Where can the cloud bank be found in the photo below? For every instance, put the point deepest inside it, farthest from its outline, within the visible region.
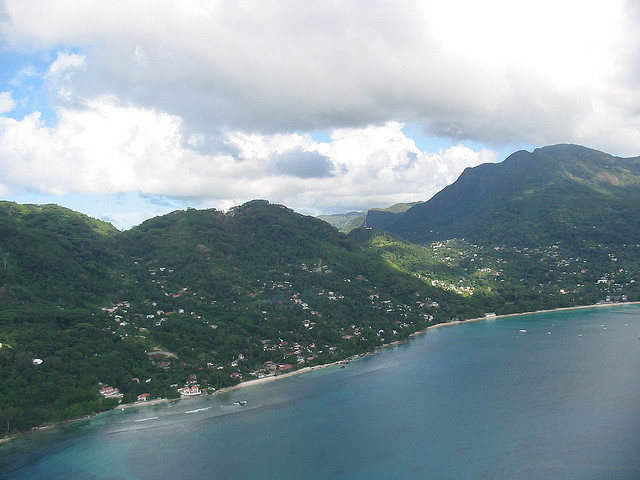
(110, 149)
(218, 101)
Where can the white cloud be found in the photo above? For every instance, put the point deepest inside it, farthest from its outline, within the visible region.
(26, 72)
(381, 165)
(7, 103)
(107, 148)
(104, 148)
(66, 62)
(493, 71)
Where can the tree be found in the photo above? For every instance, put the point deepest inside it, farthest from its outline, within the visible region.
(8, 418)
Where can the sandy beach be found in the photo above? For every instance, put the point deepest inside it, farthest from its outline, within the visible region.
(155, 401)
(270, 378)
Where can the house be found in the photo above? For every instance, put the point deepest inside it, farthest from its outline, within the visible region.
(190, 391)
(106, 391)
(110, 392)
(144, 397)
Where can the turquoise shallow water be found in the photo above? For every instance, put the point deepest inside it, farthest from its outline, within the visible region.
(475, 401)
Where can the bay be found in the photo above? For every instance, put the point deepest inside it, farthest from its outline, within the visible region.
(543, 396)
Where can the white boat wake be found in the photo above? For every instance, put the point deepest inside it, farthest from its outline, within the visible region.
(145, 419)
(198, 410)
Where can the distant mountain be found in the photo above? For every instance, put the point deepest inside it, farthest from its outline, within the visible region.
(561, 193)
(345, 222)
(381, 218)
(374, 218)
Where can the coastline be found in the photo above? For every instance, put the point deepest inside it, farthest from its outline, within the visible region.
(155, 401)
(535, 312)
(258, 381)
(270, 378)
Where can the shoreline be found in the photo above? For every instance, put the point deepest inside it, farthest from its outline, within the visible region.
(155, 401)
(270, 378)
(535, 312)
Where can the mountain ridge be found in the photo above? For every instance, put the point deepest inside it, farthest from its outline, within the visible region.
(485, 199)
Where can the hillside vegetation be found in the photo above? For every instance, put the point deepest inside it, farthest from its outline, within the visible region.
(197, 295)
(214, 298)
(553, 228)
(563, 194)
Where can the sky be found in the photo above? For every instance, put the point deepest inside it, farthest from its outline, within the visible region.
(125, 110)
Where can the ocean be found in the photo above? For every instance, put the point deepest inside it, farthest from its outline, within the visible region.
(543, 396)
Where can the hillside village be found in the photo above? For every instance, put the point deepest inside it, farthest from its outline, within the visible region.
(603, 273)
(192, 316)
(478, 270)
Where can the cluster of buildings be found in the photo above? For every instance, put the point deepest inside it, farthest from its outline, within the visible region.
(137, 321)
(111, 392)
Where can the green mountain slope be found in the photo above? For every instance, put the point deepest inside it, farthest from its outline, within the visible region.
(264, 275)
(562, 193)
(553, 228)
(217, 297)
(51, 253)
(58, 267)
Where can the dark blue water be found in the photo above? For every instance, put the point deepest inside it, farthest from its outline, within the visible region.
(474, 401)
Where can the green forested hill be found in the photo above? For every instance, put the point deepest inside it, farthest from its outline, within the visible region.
(58, 267)
(51, 253)
(220, 296)
(257, 279)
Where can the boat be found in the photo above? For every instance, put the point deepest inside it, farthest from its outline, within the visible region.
(522, 330)
(241, 402)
